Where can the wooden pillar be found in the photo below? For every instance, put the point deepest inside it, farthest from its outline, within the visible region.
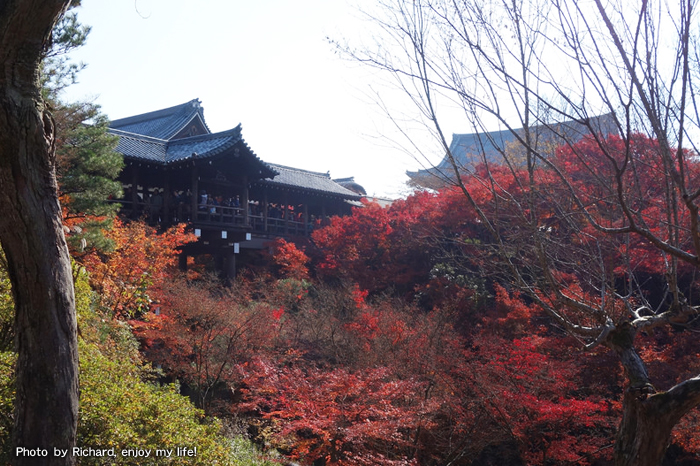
(265, 206)
(146, 213)
(230, 265)
(182, 261)
(195, 194)
(244, 201)
(220, 259)
(134, 190)
(166, 215)
(284, 212)
(305, 218)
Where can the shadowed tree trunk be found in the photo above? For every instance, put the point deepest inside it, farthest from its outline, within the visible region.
(31, 234)
(648, 417)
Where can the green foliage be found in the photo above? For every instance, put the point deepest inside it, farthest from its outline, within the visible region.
(7, 307)
(88, 165)
(290, 292)
(87, 168)
(118, 409)
(7, 403)
(246, 454)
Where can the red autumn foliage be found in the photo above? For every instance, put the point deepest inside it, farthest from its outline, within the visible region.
(416, 349)
(379, 248)
(444, 388)
(201, 331)
(343, 417)
(591, 172)
(290, 260)
(535, 393)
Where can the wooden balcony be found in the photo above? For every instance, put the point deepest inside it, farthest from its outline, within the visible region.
(222, 217)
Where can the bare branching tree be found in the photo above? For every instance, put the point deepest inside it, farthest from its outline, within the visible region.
(574, 199)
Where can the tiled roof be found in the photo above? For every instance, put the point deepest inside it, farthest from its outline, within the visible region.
(296, 178)
(203, 146)
(352, 185)
(140, 147)
(149, 136)
(162, 124)
(470, 149)
(157, 150)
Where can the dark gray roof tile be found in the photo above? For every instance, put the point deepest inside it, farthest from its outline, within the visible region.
(140, 147)
(149, 137)
(296, 178)
(162, 124)
(204, 146)
(470, 149)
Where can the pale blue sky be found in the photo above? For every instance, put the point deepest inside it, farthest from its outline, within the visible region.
(263, 63)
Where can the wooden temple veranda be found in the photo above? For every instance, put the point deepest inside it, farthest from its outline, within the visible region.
(177, 170)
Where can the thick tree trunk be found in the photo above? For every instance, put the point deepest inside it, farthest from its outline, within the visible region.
(647, 422)
(642, 438)
(648, 417)
(31, 234)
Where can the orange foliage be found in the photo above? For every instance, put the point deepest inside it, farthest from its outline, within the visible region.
(141, 260)
(291, 261)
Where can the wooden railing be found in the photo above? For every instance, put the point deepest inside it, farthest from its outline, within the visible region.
(220, 216)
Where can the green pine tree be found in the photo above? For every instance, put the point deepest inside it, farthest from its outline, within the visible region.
(87, 164)
(87, 169)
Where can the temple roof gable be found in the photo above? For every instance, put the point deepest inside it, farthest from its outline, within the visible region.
(471, 149)
(172, 136)
(169, 123)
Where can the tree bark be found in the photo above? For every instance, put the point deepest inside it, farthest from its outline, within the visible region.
(647, 422)
(648, 417)
(46, 406)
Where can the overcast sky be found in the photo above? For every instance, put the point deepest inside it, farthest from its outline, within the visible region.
(266, 64)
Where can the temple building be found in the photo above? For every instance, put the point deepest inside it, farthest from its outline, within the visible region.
(472, 149)
(177, 170)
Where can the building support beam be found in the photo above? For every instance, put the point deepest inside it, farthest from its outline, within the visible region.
(195, 194)
(265, 209)
(182, 261)
(134, 191)
(166, 214)
(285, 213)
(230, 264)
(244, 201)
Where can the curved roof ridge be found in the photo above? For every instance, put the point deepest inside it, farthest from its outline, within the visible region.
(574, 123)
(296, 178)
(121, 132)
(472, 148)
(319, 174)
(458, 135)
(194, 103)
(236, 131)
(164, 123)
